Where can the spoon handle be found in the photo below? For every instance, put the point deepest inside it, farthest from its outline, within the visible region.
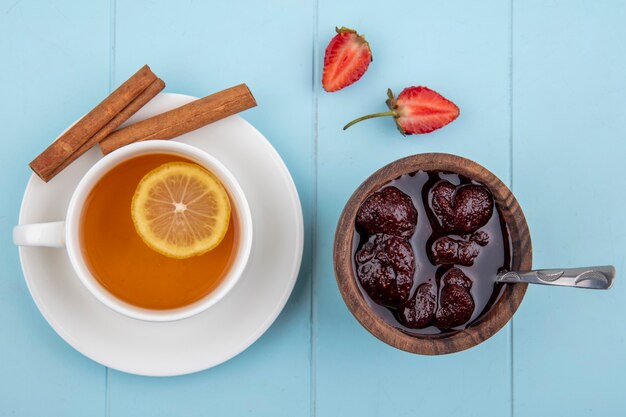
(592, 277)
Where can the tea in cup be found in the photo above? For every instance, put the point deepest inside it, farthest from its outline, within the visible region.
(145, 237)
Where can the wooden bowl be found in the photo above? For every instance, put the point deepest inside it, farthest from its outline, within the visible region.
(500, 313)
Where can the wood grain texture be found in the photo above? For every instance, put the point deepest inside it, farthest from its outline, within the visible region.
(567, 63)
(202, 47)
(53, 71)
(357, 374)
(569, 169)
(499, 314)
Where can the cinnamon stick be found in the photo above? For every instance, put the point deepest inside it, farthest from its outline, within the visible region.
(47, 163)
(183, 119)
(132, 108)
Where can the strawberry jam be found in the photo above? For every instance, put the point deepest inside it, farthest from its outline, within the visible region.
(427, 247)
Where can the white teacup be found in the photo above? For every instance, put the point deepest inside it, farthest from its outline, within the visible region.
(65, 233)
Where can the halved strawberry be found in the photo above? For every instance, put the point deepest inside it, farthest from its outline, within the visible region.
(417, 110)
(347, 57)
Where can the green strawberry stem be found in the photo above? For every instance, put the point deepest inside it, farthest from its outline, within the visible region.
(371, 116)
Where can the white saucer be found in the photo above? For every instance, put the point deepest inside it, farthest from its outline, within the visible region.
(202, 341)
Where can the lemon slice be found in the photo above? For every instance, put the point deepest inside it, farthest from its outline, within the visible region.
(181, 210)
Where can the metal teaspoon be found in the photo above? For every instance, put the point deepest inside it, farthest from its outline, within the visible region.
(591, 277)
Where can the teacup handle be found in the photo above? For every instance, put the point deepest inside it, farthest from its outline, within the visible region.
(50, 235)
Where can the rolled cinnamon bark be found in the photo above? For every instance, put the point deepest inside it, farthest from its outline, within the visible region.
(183, 119)
(105, 115)
(134, 106)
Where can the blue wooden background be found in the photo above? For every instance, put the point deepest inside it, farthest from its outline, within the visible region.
(542, 89)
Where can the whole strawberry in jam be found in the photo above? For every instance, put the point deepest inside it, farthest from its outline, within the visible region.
(385, 266)
(346, 59)
(456, 304)
(416, 110)
(419, 311)
(455, 276)
(388, 211)
(448, 251)
(462, 209)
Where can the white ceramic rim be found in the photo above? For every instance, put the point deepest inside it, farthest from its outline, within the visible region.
(103, 166)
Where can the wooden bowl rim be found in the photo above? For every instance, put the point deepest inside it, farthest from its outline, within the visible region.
(499, 314)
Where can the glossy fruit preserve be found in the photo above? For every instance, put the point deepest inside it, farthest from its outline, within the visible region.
(427, 247)
(121, 261)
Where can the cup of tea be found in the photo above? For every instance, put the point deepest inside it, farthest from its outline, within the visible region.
(116, 263)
